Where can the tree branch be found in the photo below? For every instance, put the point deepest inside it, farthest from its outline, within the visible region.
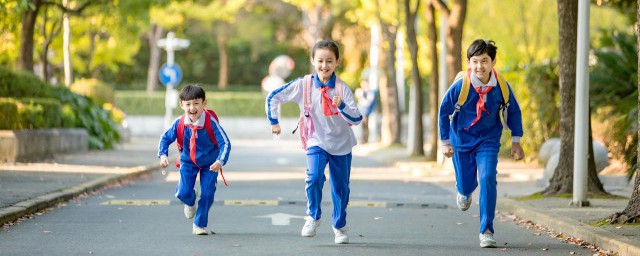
(73, 11)
(441, 6)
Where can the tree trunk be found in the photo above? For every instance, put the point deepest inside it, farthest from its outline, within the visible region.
(433, 93)
(223, 72)
(595, 187)
(155, 53)
(416, 146)
(455, 23)
(631, 213)
(55, 30)
(25, 60)
(562, 180)
(389, 92)
(66, 46)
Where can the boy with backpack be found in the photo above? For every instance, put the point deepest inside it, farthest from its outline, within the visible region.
(327, 111)
(470, 130)
(204, 148)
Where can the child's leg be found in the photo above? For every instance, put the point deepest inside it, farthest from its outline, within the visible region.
(487, 159)
(339, 173)
(317, 160)
(208, 181)
(465, 167)
(184, 189)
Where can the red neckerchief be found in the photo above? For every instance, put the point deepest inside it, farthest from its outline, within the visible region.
(326, 102)
(480, 104)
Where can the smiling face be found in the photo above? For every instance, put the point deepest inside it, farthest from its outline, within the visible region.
(324, 62)
(481, 65)
(193, 108)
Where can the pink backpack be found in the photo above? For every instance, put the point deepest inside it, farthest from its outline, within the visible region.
(305, 123)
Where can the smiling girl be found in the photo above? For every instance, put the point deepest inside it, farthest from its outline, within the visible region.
(332, 110)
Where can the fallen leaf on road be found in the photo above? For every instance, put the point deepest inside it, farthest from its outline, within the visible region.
(459, 223)
(545, 249)
(536, 234)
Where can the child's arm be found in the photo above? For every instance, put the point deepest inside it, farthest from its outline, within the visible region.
(514, 122)
(291, 91)
(223, 143)
(166, 139)
(447, 108)
(347, 106)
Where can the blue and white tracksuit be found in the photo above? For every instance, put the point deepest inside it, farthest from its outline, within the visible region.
(476, 148)
(206, 154)
(330, 143)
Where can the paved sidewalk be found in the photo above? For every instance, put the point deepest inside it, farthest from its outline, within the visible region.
(28, 188)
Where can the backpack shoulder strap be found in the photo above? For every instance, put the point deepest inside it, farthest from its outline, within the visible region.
(180, 133)
(306, 91)
(504, 88)
(338, 87)
(464, 91)
(207, 125)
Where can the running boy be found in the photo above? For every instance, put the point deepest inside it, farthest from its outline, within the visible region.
(472, 134)
(331, 110)
(200, 154)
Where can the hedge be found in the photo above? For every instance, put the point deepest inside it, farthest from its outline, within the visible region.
(224, 103)
(30, 113)
(22, 85)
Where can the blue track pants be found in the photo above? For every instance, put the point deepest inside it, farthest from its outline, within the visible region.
(186, 193)
(339, 172)
(481, 161)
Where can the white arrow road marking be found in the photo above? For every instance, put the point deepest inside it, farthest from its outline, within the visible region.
(281, 219)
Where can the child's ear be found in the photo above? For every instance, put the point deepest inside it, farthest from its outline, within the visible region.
(204, 103)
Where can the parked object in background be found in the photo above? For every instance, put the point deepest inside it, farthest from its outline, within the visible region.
(549, 157)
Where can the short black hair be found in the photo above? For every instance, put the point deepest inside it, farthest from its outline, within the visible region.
(328, 44)
(192, 92)
(480, 46)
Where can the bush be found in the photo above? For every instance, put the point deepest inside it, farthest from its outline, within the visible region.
(21, 85)
(95, 89)
(30, 113)
(39, 113)
(9, 114)
(224, 103)
(87, 114)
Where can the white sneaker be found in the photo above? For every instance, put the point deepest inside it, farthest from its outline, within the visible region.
(309, 228)
(190, 211)
(487, 240)
(341, 235)
(198, 230)
(463, 202)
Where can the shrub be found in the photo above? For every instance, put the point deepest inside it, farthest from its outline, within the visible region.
(30, 113)
(9, 114)
(36, 113)
(95, 89)
(21, 84)
(97, 122)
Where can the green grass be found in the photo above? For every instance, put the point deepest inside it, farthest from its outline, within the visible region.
(238, 103)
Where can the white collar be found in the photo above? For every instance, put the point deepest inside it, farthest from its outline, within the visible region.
(475, 81)
(199, 122)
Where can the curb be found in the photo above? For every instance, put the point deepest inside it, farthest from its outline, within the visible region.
(600, 237)
(39, 203)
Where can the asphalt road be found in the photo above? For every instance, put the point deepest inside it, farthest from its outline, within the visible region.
(261, 216)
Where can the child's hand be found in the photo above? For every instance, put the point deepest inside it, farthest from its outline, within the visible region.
(215, 167)
(164, 161)
(447, 150)
(337, 101)
(516, 151)
(275, 129)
